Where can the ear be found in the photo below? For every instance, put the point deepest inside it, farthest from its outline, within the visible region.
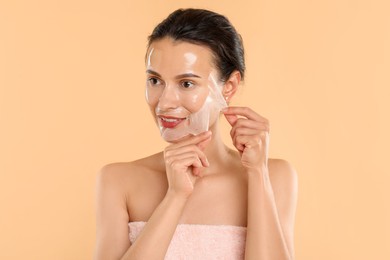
(231, 85)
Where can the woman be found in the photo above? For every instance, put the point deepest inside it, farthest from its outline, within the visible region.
(198, 199)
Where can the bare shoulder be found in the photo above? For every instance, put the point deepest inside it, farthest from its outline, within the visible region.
(115, 185)
(127, 174)
(284, 182)
(282, 174)
(116, 174)
(138, 185)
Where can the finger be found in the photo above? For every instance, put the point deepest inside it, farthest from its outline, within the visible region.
(243, 111)
(202, 145)
(192, 140)
(239, 146)
(243, 141)
(196, 171)
(243, 122)
(232, 119)
(183, 149)
(170, 155)
(196, 154)
(239, 130)
(236, 131)
(186, 162)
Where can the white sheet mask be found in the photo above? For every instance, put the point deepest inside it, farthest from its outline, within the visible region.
(182, 110)
(196, 122)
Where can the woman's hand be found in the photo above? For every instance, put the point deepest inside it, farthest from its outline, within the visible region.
(183, 161)
(250, 135)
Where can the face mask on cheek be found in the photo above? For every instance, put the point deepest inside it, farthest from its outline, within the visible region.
(197, 122)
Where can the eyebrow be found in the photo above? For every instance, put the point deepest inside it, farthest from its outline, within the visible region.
(185, 75)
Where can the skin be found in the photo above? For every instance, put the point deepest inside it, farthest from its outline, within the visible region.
(198, 179)
(180, 96)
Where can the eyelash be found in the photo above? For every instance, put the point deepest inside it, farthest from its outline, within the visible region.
(187, 81)
(151, 79)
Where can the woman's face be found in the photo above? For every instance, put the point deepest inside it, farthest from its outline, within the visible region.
(178, 81)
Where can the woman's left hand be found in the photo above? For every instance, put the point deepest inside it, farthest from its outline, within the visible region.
(250, 135)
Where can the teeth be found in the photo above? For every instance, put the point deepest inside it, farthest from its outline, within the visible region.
(170, 119)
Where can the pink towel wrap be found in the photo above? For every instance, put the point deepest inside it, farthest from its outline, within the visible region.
(195, 241)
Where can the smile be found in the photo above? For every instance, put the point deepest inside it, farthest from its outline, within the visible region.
(170, 122)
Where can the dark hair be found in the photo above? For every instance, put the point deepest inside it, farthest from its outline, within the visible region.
(204, 27)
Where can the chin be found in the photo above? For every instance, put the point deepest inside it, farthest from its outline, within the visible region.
(174, 141)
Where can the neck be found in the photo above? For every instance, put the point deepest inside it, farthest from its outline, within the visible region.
(217, 153)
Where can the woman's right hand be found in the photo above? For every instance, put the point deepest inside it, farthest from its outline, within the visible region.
(183, 161)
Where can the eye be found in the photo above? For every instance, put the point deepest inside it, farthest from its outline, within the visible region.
(154, 81)
(187, 84)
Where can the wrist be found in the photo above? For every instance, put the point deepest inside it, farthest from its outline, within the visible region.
(176, 196)
(261, 170)
(259, 176)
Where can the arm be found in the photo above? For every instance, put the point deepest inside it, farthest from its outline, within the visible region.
(155, 237)
(183, 161)
(112, 237)
(271, 211)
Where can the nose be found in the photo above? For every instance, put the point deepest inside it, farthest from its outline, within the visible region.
(169, 98)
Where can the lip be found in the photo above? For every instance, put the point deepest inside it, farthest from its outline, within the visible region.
(170, 121)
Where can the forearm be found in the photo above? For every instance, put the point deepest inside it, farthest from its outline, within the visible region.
(265, 239)
(154, 239)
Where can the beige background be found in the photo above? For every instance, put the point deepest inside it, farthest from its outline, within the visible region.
(72, 100)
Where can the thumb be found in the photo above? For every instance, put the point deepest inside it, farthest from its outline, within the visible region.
(204, 143)
(232, 119)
